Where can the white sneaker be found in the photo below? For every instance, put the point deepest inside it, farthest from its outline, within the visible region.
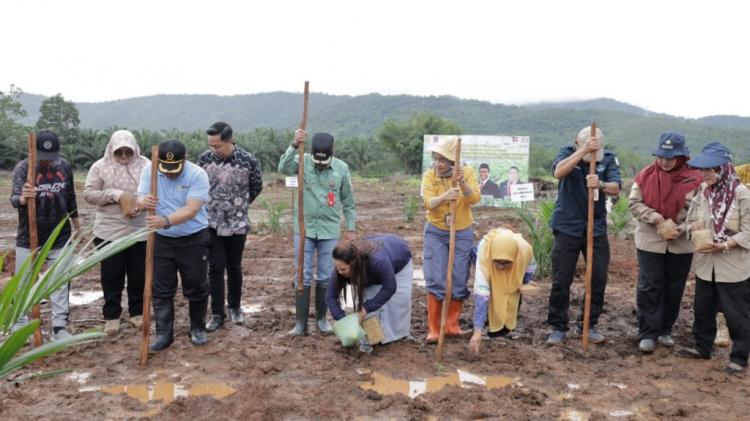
(137, 321)
(61, 334)
(722, 339)
(111, 327)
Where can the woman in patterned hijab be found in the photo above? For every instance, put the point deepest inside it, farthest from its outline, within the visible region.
(111, 185)
(722, 271)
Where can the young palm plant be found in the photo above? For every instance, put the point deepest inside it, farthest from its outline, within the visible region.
(20, 294)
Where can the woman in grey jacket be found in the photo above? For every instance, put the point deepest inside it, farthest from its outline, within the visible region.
(659, 200)
(111, 185)
(721, 212)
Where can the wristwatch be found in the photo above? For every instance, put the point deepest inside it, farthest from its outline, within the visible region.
(601, 185)
(169, 224)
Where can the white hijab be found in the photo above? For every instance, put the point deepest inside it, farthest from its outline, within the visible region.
(116, 175)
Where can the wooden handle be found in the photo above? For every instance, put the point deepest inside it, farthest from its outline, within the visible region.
(589, 249)
(301, 195)
(451, 257)
(147, 287)
(33, 238)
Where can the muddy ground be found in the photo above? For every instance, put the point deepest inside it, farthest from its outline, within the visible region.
(255, 371)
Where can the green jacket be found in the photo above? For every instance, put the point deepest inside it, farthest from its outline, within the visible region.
(322, 221)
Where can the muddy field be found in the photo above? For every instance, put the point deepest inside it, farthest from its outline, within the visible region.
(255, 371)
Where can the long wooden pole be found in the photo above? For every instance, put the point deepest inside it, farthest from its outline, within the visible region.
(146, 327)
(589, 249)
(33, 239)
(451, 256)
(301, 195)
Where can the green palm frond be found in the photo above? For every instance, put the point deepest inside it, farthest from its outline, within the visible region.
(19, 295)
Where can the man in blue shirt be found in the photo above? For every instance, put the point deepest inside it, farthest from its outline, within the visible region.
(568, 224)
(182, 240)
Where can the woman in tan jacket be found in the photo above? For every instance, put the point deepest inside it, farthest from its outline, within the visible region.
(659, 200)
(720, 215)
(111, 185)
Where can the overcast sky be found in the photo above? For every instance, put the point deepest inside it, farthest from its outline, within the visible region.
(678, 57)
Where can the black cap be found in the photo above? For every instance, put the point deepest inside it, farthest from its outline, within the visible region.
(221, 128)
(322, 149)
(171, 156)
(47, 146)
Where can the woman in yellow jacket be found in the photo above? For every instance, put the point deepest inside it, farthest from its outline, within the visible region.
(438, 192)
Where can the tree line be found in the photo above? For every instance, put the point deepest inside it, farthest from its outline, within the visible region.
(395, 146)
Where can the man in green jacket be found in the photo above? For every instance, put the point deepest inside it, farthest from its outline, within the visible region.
(328, 192)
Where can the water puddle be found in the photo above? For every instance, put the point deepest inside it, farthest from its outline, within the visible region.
(79, 298)
(251, 308)
(167, 392)
(385, 385)
(80, 377)
(418, 277)
(573, 415)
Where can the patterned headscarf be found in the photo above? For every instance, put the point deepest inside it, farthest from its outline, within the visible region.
(721, 200)
(116, 175)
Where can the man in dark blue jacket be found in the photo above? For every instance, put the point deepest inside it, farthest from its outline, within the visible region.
(569, 221)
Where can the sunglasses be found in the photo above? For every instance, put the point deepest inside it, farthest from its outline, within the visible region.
(124, 152)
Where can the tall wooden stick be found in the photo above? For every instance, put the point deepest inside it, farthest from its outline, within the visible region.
(301, 195)
(451, 255)
(589, 249)
(33, 239)
(146, 327)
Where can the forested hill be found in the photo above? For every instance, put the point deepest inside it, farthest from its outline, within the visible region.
(549, 124)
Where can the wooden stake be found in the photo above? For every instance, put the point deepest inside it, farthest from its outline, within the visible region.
(451, 255)
(589, 250)
(33, 239)
(301, 195)
(146, 327)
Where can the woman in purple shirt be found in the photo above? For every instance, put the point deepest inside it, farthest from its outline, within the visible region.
(379, 271)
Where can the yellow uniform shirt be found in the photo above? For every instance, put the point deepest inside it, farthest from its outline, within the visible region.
(433, 186)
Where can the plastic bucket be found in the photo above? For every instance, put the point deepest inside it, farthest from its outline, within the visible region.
(348, 330)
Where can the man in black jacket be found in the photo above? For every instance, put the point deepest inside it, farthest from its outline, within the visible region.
(55, 197)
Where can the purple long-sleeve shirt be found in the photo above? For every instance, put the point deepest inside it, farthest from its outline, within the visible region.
(391, 255)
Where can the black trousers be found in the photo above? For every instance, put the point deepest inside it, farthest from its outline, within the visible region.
(130, 262)
(565, 252)
(225, 254)
(188, 256)
(661, 282)
(734, 299)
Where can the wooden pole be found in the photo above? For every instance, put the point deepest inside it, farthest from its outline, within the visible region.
(301, 195)
(146, 327)
(33, 239)
(451, 255)
(589, 249)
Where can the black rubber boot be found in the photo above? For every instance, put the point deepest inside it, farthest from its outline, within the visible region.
(197, 311)
(321, 309)
(302, 307)
(164, 318)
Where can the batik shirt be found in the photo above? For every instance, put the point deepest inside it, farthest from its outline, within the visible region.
(235, 182)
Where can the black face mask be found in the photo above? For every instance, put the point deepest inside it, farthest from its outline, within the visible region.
(322, 150)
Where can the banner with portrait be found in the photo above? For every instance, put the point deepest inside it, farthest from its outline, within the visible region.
(500, 162)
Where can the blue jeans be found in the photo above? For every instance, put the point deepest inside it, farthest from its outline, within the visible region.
(325, 259)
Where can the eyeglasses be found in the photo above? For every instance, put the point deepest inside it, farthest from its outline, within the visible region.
(124, 152)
